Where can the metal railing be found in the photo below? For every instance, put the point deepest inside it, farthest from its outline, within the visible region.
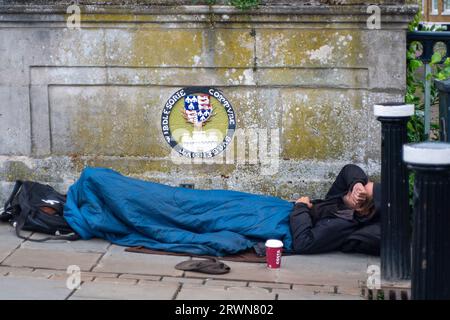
(428, 40)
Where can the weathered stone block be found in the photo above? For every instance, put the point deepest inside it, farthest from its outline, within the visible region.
(387, 63)
(313, 77)
(75, 47)
(127, 123)
(231, 48)
(323, 125)
(15, 122)
(309, 48)
(154, 47)
(311, 72)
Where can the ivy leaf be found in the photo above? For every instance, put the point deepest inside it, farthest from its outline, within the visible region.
(410, 126)
(446, 71)
(415, 64)
(436, 58)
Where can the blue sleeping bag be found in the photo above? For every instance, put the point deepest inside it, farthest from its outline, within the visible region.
(130, 212)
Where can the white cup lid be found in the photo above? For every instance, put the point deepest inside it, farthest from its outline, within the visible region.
(427, 153)
(393, 110)
(272, 243)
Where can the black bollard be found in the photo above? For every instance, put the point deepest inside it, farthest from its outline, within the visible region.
(431, 232)
(395, 212)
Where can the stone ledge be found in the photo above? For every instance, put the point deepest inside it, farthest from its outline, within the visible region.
(204, 13)
(205, 2)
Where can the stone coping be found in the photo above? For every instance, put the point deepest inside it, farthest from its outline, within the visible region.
(427, 153)
(208, 2)
(393, 110)
(353, 10)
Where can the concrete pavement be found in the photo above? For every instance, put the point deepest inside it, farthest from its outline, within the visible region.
(30, 270)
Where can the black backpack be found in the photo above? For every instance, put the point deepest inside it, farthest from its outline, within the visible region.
(37, 207)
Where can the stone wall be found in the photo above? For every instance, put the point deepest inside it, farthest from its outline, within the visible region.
(93, 96)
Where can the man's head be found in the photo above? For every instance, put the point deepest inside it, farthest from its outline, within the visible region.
(360, 198)
(366, 208)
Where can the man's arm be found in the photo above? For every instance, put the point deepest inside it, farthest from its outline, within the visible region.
(327, 235)
(349, 176)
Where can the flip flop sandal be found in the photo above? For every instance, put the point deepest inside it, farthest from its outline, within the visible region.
(204, 266)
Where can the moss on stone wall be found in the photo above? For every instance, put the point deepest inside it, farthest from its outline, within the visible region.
(308, 74)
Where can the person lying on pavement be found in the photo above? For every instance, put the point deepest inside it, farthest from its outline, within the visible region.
(347, 219)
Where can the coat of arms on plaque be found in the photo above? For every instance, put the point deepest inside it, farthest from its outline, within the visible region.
(198, 122)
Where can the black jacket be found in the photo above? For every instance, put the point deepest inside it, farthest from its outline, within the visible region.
(330, 225)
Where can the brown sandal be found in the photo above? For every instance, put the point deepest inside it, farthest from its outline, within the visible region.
(212, 266)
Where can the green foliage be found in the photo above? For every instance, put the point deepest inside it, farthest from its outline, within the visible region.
(245, 4)
(415, 87)
(414, 24)
(240, 4)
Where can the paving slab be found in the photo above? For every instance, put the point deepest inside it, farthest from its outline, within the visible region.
(8, 240)
(195, 292)
(109, 272)
(93, 245)
(8, 234)
(308, 294)
(115, 280)
(316, 288)
(6, 270)
(182, 280)
(28, 272)
(51, 259)
(85, 276)
(13, 288)
(324, 269)
(226, 283)
(140, 277)
(5, 251)
(100, 274)
(65, 276)
(270, 285)
(118, 260)
(115, 291)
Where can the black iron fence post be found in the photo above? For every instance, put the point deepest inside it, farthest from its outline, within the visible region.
(431, 232)
(395, 212)
(428, 39)
(444, 109)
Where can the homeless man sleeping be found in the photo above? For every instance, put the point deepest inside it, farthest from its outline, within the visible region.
(131, 212)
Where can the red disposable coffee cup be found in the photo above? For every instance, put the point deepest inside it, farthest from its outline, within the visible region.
(274, 249)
